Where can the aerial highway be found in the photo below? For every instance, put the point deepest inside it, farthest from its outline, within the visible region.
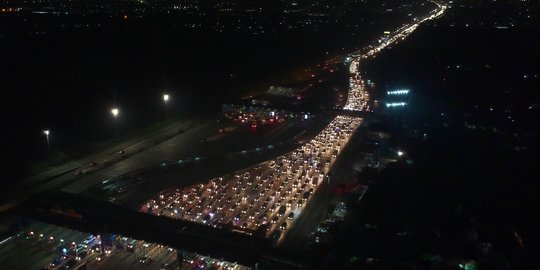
(272, 195)
(274, 183)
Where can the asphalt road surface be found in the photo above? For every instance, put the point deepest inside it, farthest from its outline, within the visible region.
(191, 161)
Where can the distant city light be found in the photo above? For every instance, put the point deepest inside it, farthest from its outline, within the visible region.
(395, 104)
(398, 92)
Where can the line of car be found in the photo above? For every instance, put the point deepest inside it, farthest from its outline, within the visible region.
(358, 98)
(273, 194)
(265, 198)
(73, 250)
(269, 197)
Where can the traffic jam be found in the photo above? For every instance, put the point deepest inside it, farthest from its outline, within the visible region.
(261, 116)
(401, 33)
(268, 197)
(358, 97)
(272, 194)
(52, 247)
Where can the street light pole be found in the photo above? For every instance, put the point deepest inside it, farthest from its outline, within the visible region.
(166, 100)
(115, 113)
(47, 132)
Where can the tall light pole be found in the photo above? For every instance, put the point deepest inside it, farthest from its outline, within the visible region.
(165, 101)
(47, 132)
(115, 113)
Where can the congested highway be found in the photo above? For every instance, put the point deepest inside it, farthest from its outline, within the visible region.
(269, 197)
(358, 99)
(272, 194)
(400, 34)
(51, 247)
(266, 199)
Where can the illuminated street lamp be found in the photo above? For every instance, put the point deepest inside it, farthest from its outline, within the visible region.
(47, 132)
(115, 112)
(400, 153)
(166, 98)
